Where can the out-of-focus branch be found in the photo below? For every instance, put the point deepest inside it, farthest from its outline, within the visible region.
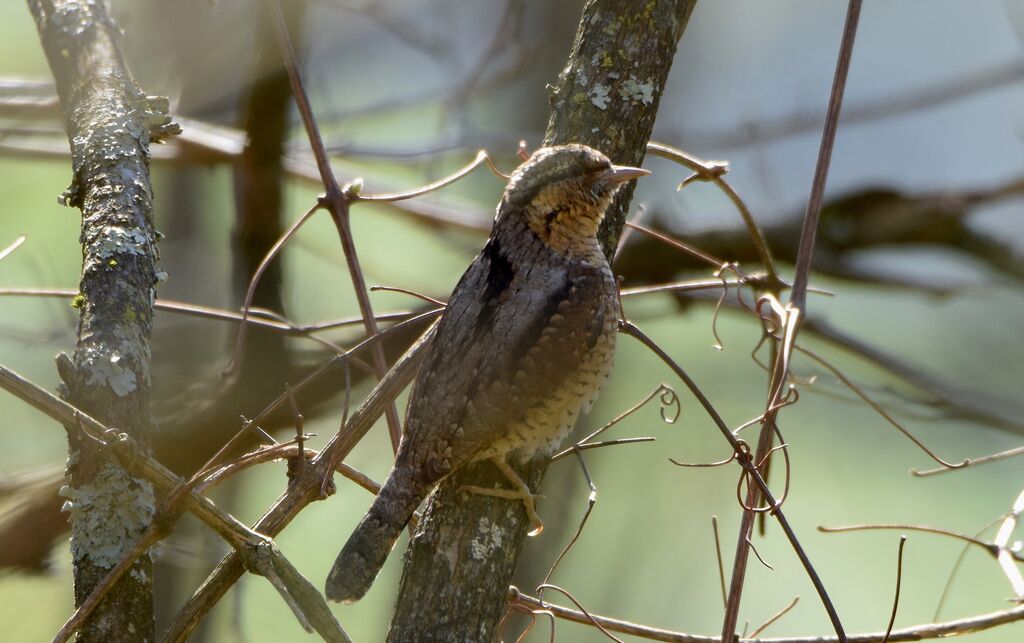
(915, 99)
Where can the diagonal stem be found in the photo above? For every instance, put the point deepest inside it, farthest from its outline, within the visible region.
(337, 202)
(793, 315)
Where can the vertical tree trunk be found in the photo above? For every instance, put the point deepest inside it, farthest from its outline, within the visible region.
(109, 123)
(460, 563)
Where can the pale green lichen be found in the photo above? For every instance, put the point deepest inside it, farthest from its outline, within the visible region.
(108, 515)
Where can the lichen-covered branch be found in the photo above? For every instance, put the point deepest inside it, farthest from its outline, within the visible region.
(110, 124)
(461, 561)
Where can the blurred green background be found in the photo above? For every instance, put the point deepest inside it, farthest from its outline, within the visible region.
(389, 81)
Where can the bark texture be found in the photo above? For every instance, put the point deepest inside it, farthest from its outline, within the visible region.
(460, 563)
(110, 124)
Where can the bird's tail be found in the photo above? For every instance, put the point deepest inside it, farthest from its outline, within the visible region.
(361, 558)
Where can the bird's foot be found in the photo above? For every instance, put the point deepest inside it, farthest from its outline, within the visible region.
(521, 492)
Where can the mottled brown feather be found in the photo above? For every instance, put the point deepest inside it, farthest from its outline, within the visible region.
(526, 341)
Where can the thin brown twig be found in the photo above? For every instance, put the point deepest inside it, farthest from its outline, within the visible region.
(798, 295)
(881, 411)
(970, 462)
(713, 171)
(582, 609)
(956, 568)
(790, 317)
(668, 399)
(896, 598)
(411, 293)
(259, 318)
(336, 201)
(482, 158)
(591, 503)
(745, 462)
(236, 359)
(718, 557)
(774, 617)
(916, 633)
(677, 244)
(992, 548)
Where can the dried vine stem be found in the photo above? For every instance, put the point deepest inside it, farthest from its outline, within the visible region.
(744, 459)
(790, 319)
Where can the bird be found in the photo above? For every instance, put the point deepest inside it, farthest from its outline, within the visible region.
(525, 343)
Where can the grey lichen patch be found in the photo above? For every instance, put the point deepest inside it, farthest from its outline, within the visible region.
(108, 368)
(487, 540)
(108, 515)
(599, 96)
(634, 91)
(115, 241)
(156, 113)
(139, 575)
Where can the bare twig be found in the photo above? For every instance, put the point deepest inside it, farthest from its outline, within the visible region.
(835, 102)
(310, 609)
(915, 633)
(896, 598)
(302, 490)
(789, 320)
(336, 201)
(970, 462)
(775, 617)
(992, 548)
(11, 248)
(718, 557)
(744, 460)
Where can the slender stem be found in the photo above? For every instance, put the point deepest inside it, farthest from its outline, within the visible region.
(828, 136)
(745, 461)
(337, 202)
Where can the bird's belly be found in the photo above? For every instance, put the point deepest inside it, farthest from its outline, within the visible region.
(549, 420)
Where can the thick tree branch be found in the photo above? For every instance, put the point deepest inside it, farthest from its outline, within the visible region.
(110, 124)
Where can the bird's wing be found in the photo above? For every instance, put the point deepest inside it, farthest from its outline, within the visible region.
(516, 327)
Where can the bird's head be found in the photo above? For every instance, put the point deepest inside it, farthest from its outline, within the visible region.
(563, 192)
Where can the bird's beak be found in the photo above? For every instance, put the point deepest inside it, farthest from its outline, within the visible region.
(623, 173)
